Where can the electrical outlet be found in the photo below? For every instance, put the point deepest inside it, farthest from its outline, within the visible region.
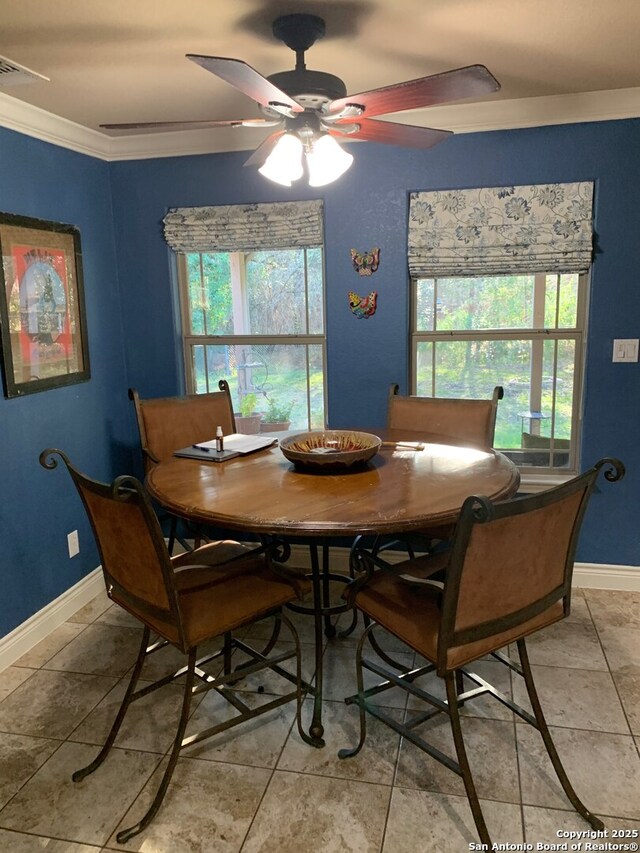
(73, 543)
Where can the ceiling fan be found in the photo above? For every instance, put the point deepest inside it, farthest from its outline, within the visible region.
(311, 109)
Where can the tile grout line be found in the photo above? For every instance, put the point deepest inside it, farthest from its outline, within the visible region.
(611, 674)
(287, 739)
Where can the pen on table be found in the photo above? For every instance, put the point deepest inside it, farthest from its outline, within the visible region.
(416, 445)
(204, 449)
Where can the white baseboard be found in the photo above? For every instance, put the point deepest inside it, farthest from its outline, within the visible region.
(41, 624)
(602, 576)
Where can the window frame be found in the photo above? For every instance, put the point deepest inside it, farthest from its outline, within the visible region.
(533, 475)
(189, 340)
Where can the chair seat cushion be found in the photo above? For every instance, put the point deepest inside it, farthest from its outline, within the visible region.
(215, 596)
(413, 615)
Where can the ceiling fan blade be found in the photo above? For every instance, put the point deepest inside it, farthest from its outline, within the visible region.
(191, 125)
(472, 81)
(393, 133)
(247, 80)
(262, 151)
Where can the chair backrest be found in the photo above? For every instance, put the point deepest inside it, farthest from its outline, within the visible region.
(167, 424)
(135, 561)
(512, 561)
(460, 420)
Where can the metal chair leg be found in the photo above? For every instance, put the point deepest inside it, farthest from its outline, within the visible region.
(349, 753)
(226, 652)
(273, 639)
(173, 536)
(459, 686)
(465, 770)
(299, 694)
(124, 707)
(576, 802)
(329, 627)
(352, 574)
(357, 543)
(125, 834)
(375, 645)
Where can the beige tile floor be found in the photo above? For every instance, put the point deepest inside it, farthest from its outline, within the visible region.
(259, 788)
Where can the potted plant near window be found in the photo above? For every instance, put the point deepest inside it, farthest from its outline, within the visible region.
(277, 417)
(248, 421)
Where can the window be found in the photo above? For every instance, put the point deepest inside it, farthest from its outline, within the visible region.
(252, 296)
(499, 298)
(525, 332)
(257, 320)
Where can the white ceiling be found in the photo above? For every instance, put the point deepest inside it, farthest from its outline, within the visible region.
(124, 61)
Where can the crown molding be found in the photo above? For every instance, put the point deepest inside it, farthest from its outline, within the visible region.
(33, 121)
(609, 105)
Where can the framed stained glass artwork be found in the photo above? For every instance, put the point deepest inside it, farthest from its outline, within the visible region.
(42, 311)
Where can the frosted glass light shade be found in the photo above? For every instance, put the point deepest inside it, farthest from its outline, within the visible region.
(284, 164)
(327, 161)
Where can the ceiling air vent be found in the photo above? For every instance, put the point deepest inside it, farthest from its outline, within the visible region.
(13, 74)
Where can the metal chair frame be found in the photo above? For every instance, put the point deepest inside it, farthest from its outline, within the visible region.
(128, 490)
(475, 511)
(432, 539)
(424, 542)
(151, 456)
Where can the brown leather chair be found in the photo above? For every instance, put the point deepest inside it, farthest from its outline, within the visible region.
(453, 420)
(185, 601)
(167, 424)
(507, 575)
(444, 420)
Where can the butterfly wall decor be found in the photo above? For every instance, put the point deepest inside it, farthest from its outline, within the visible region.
(365, 263)
(363, 307)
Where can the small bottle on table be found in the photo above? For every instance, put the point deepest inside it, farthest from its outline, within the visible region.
(219, 440)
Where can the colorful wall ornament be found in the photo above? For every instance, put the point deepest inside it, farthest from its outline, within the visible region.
(363, 306)
(365, 263)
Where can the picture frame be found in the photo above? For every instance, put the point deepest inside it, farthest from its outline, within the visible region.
(43, 327)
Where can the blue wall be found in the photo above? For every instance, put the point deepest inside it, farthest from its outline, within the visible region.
(368, 207)
(133, 322)
(89, 420)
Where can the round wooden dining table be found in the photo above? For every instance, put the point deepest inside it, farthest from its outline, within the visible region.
(409, 486)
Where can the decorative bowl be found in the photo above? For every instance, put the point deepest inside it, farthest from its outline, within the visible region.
(326, 449)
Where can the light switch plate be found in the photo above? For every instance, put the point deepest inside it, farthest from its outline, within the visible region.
(625, 349)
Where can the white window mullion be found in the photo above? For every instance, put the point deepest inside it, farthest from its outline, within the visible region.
(434, 326)
(537, 350)
(203, 295)
(238, 300)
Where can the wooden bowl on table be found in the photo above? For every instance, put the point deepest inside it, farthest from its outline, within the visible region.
(329, 449)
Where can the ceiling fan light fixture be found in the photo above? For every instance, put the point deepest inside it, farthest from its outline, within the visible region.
(284, 164)
(326, 161)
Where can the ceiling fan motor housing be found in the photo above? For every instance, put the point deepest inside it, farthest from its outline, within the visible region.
(309, 88)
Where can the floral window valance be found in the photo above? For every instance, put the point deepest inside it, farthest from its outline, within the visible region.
(501, 230)
(244, 227)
